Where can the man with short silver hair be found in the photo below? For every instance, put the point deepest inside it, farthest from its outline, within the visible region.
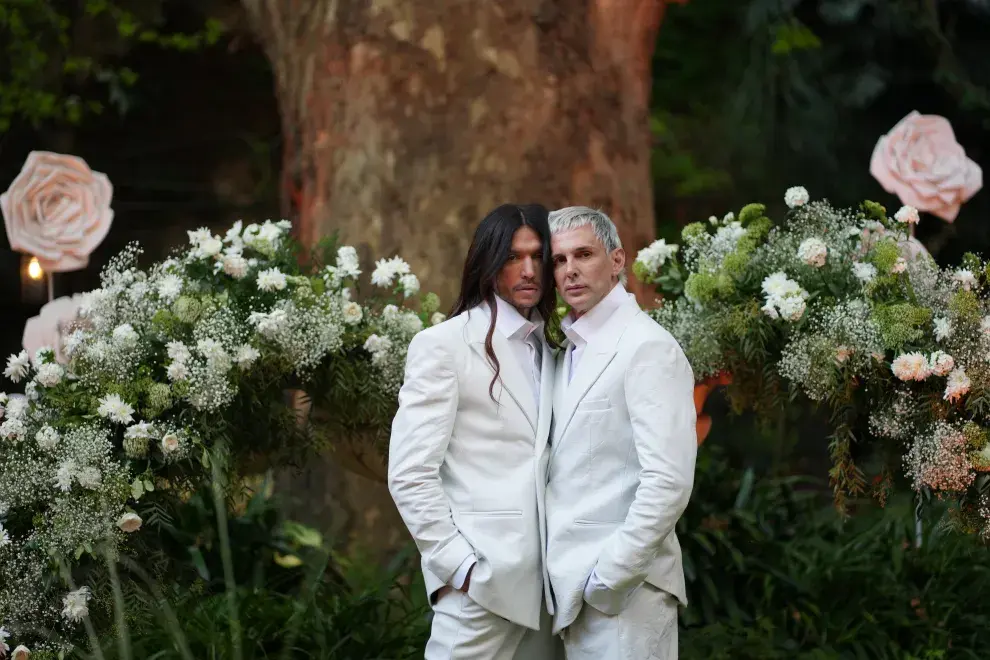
(622, 458)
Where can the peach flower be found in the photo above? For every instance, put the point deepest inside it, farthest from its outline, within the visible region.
(920, 161)
(49, 327)
(58, 210)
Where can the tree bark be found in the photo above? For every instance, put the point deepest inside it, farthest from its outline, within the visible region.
(405, 122)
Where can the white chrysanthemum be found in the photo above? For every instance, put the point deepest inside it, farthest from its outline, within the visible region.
(4, 540)
(654, 256)
(784, 297)
(116, 409)
(18, 366)
(140, 430)
(813, 251)
(13, 429)
(940, 363)
(271, 280)
(178, 351)
(246, 356)
(170, 287)
(352, 313)
(377, 344)
(129, 523)
(907, 215)
(910, 366)
(964, 278)
(50, 374)
(386, 270)
(47, 438)
(437, 317)
(17, 407)
(348, 264)
(125, 336)
(864, 272)
(235, 265)
(177, 371)
(76, 604)
(796, 196)
(943, 328)
(956, 385)
(409, 284)
(65, 474)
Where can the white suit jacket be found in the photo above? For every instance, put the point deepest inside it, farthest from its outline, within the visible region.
(621, 465)
(463, 469)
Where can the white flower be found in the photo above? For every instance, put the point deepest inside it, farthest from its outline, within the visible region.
(235, 265)
(791, 308)
(47, 438)
(178, 351)
(13, 429)
(17, 366)
(943, 328)
(348, 264)
(956, 385)
(170, 443)
(125, 336)
(211, 247)
(140, 430)
(784, 297)
(271, 280)
(246, 355)
(216, 357)
(409, 284)
(64, 475)
(437, 318)
(50, 374)
(31, 391)
(76, 604)
(776, 284)
(842, 353)
(910, 366)
(907, 215)
(352, 313)
(4, 635)
(116, 409)
(21, 653)
(4, 539)
(899, 266)
(940, 363)
(654, 256)
(177, 371)
(377, 345)
(17, 407)
(965, 278)
(387, 270)
(89, 477)
(864, 272)
(129, 522)
(169, 287)
(796, 196)
(813, 252)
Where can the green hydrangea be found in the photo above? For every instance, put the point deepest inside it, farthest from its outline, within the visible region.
(874, 211)
(136, 447)
(431, 303)
(159, 398)
(693, 232)
(701, 287)
(901, 323)
(884, 255)
(187, 309)
(751, 213)
(965, 305)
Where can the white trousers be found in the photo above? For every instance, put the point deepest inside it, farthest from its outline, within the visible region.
(464, 630)
(646, 628)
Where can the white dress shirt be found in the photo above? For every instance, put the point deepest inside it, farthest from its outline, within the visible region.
(526, 339)
(581, 332)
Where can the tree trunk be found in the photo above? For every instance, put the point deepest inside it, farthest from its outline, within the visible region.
(405, 122)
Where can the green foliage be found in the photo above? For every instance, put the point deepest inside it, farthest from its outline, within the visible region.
(48, 53)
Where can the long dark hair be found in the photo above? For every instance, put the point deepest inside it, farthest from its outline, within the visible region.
(490, 249)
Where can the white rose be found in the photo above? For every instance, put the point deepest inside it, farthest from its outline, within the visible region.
(129, 522)
(352, 313)
(170, 443)
(21, 653)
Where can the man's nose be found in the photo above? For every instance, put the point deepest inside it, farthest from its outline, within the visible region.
(528, 268)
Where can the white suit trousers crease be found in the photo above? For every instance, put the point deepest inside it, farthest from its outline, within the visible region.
(464, 630)
(645, 629)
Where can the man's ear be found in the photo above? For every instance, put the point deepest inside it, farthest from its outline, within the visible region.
(618, 261)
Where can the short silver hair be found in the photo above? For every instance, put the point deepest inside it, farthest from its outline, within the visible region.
(573, 217)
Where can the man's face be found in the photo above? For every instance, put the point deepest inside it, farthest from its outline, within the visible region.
(520, 282)
(583, 270)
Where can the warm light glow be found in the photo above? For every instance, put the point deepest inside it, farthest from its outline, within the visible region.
(34, 269)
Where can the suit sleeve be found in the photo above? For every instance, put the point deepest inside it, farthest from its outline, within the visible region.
(420, 434)
(659, 388)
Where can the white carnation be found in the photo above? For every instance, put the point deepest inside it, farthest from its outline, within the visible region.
(271, 280)
(50, 374)
(796, 196)
(813, 252)
(352, 313)
(76, 604)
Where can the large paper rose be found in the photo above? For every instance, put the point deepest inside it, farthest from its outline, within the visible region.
(58, 210)
(920, 161)
(48, 328)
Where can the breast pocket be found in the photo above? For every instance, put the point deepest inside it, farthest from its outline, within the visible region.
(593, 417)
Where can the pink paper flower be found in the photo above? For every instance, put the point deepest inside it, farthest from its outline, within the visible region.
(48, 328)
(58, 210)
(920, 161)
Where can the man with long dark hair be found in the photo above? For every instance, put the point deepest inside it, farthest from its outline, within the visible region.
(622, 460)
(468, 450)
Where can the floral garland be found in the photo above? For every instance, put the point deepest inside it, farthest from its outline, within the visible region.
(847, 308)
(163, 366)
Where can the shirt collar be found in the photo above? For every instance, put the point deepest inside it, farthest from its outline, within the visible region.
(583, 331)
(512, 324)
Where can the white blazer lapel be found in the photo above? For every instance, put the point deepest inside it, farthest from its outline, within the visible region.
(511, 375)
(593, 363)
